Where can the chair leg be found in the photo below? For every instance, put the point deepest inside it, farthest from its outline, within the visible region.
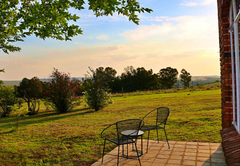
(157, 136)
(148, 140)
(137, 154)
(118, 155)
(103, 149)
(127, 151)
(122, 150)
(166, 138)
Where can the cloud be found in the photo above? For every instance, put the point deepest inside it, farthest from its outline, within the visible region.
(192, 54)
(114, 17)
(207, 2)
(198, 3)
(102, 37)
(188, 4)
(145, 32)
(159, 18)
(178, 28)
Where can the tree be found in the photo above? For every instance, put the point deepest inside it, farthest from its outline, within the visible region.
(185, 78)
(96, 95)
(7, 99)
(61, 92)
(145, 80)
(128, 80)
(50, 18)
(168, 77)
(107, 75)
(138, 79)
(1, 82)
(31, 91)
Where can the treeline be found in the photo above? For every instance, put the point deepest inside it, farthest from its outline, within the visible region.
(62, 92)
(133, 79)
(140, 79)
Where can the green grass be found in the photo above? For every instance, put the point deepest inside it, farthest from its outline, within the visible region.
(73, 138)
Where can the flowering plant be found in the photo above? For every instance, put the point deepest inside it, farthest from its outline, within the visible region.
(61, 92)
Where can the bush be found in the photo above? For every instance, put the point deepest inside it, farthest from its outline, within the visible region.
(61, 92)
(97, 98)
(96, 95)
(7, 99)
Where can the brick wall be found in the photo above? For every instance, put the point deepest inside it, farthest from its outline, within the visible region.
(230, 137)
(225, 62)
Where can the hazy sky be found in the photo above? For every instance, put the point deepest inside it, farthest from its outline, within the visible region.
(179, 34)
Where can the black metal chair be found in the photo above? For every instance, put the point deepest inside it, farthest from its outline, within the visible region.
(154, 120)
(116, 133)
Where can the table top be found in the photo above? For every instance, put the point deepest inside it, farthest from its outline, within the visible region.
(132, 133)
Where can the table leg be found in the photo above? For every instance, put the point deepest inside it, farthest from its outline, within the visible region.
(141, 145)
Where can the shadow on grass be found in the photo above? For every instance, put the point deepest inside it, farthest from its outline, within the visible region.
(44, 117)
(8, 132)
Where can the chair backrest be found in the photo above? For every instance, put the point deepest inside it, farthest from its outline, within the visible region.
(128, 124)
(113, 131)
(162, 115)
(157, 116)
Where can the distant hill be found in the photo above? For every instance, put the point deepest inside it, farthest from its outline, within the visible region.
(199, 80)
(196, 80)
(12, 83)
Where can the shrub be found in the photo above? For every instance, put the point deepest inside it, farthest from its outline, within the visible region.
(97, 98)
(61, 92)
(7, 99)
(96, 95)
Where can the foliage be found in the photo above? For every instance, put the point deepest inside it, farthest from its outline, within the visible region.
(18, 112)
(50, 18)
(1, 70)
(31, 90)
(78, 86)
(47, 104)
(168, 77)
(96, 95)
(185, 78)
(7, 99)
(19, 102)
(61, 92)
(139, 79)
(97, 99)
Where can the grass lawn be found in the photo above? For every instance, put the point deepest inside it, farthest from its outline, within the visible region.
(73, 138)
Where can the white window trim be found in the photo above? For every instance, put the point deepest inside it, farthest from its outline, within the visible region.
(234, 28)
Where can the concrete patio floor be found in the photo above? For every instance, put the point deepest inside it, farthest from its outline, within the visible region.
(179, 154)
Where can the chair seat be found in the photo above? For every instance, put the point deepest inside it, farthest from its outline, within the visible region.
(121, 141)
(150, 127)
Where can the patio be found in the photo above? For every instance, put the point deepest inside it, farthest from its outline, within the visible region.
(180, 153)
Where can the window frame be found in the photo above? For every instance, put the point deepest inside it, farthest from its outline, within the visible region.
(234, 17)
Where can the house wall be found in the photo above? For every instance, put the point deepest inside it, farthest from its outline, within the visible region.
(225, 62)
(230, 136)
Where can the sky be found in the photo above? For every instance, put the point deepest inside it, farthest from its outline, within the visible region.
(178, 34)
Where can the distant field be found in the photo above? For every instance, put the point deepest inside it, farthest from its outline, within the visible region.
(11, 83)
(73, 138)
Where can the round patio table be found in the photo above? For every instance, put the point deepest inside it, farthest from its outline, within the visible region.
(134, 134)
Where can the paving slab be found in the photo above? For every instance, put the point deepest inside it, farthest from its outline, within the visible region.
(181, 153)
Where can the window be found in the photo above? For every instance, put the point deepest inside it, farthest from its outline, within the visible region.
(234, 37)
